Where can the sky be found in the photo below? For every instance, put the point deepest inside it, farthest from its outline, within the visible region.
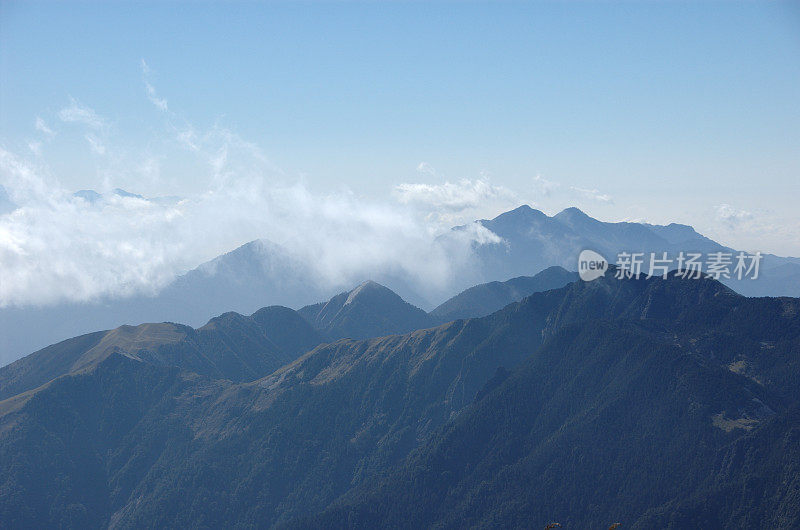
(414, 116)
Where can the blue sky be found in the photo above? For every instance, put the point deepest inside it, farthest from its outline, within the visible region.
(638, 110)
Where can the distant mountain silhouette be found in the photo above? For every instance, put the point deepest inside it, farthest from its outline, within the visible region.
(612, 400)
(533, 241)
(487, 298)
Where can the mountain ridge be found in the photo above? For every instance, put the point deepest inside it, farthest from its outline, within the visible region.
(350, 412)
(230, 346)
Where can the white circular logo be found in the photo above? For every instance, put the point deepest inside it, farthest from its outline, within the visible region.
(591, 265)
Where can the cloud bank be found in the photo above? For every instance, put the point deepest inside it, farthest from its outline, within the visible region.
(57, 246)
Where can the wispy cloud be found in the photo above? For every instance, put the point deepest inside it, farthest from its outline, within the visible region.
(159, 102)
(453, 196)
(77, 113)
(42, 127)
(544, 187)
(35, 148)
(97, 126)
(752, 229)
(97, 145)
(456, 202)
(225, 153)
(593, 194)
(426, 169)
(732, 217)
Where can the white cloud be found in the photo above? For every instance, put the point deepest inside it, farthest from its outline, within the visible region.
(58, 247)
(97, 126)
(77, 113)
(544, 187)
(42, 127)
(426, 169)
(454, 203)
(23, 181)
(161, 103)
(454, 196)
(476, 232)
(36, 148)
(752, 229)
(226, 154)
(150, 169)
(732, 217)
(188, 139)
(96, 144)
(593, 194)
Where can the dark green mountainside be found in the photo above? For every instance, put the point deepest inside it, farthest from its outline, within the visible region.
(652, 402)
(621, 435)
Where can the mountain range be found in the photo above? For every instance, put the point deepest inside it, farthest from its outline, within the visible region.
(531, 239)
(262, 273)
(653, 402)
(243, 348)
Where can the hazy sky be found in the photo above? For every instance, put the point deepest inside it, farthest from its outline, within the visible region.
(640, 110)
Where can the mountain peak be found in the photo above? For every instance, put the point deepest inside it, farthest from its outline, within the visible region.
(369, 310)
(521, 211)
(122, 193)
(573, 214)
(87, 195)
(523, 215)
(369, 287)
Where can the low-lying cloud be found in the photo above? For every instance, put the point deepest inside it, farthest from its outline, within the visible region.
(56, 246)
